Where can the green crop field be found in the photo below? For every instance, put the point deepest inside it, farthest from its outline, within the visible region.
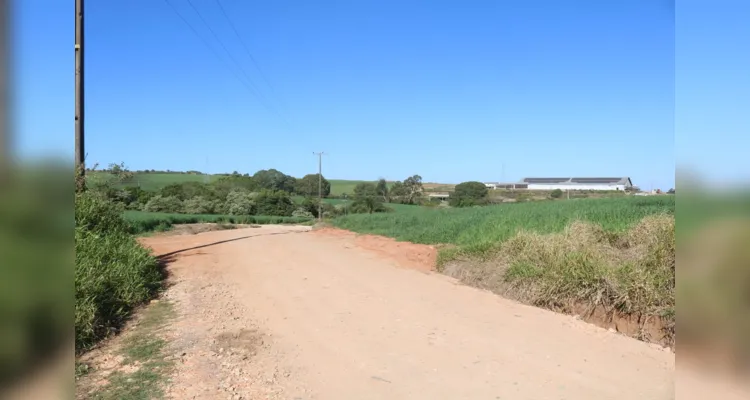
(142, 221)
(492, 224)
(154, 181)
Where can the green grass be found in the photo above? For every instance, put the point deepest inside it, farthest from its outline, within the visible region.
(394, 206)
(618, 253)
(113, 273)
(142, 221)
(155, 181)
(479, 229)
(144, 348)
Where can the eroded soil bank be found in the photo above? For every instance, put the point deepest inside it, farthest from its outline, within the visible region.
(651, 329)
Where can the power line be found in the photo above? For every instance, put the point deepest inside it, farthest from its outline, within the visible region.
(205, 42)
(244, 45)
(234, 60)
(254, 91)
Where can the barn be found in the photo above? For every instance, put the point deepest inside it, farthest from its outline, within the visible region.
(623, 183)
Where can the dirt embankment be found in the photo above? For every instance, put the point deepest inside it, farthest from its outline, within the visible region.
(420, 257)
(491, 275)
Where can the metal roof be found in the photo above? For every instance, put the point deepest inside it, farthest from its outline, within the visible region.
(571, 181)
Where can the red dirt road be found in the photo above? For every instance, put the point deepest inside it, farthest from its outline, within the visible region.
(325, 318)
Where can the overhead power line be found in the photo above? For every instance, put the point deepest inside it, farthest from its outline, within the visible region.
(247, 84)
(205, 42)
(226, 50)
(244, 45)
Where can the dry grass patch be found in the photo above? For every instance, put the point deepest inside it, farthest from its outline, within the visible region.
(631, 273)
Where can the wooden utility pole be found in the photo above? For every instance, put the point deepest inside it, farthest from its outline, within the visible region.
(320, 184)
(4, 91)
(79, 125)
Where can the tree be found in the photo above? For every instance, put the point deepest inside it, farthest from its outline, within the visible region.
(120, 172)
(382, 188)
(308, 186)
(240, 202)
(397, 190)
(413, 187)
(225, 184)
(556, 194)
(198, 205)
(187, 190)
(159, 203)
(366, 198)
(409, 191)
(272, 179)
(468, 194)
(274, 202)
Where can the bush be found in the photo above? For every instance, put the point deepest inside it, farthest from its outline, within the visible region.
(468, 194)
(113, 273)
(160, 203)
(198, 205)
(556, 194)
(240, 202)
(302, 213)
(366, 199)
(274, 202)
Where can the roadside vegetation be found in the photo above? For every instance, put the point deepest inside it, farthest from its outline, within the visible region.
(475, 230)
(113, 273)
(142, 222)
(145, 363)
(617, 254)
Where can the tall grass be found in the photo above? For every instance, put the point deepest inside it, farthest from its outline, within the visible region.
(480, 228)
(141, 221)
(616, 253)
(113, 273)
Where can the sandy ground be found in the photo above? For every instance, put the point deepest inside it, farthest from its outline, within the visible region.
(282, 312)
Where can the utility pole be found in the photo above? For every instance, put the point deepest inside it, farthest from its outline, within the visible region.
(4, 96)
(320, 184)
(79, 125)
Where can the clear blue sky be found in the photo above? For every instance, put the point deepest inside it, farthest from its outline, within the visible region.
(451, 90)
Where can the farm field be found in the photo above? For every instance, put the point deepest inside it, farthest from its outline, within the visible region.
(482, 227)
(154, 181)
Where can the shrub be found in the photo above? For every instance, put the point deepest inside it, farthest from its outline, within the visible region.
(366, 199)
(302, 213)
(274, 202)
(113, 273)
(160, 203)
(556, 194)
(198, 205)
(239, 202)
(468, 194)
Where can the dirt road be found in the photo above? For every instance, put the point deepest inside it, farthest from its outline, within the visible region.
(280, 312)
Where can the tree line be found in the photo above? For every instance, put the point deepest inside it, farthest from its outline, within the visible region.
(266, 192)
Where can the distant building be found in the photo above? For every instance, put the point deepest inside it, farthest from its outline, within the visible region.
(623, 183)
(510, 186)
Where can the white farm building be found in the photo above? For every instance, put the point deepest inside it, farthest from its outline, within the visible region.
(623, 183)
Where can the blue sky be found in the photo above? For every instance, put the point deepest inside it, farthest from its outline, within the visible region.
(450, 90)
